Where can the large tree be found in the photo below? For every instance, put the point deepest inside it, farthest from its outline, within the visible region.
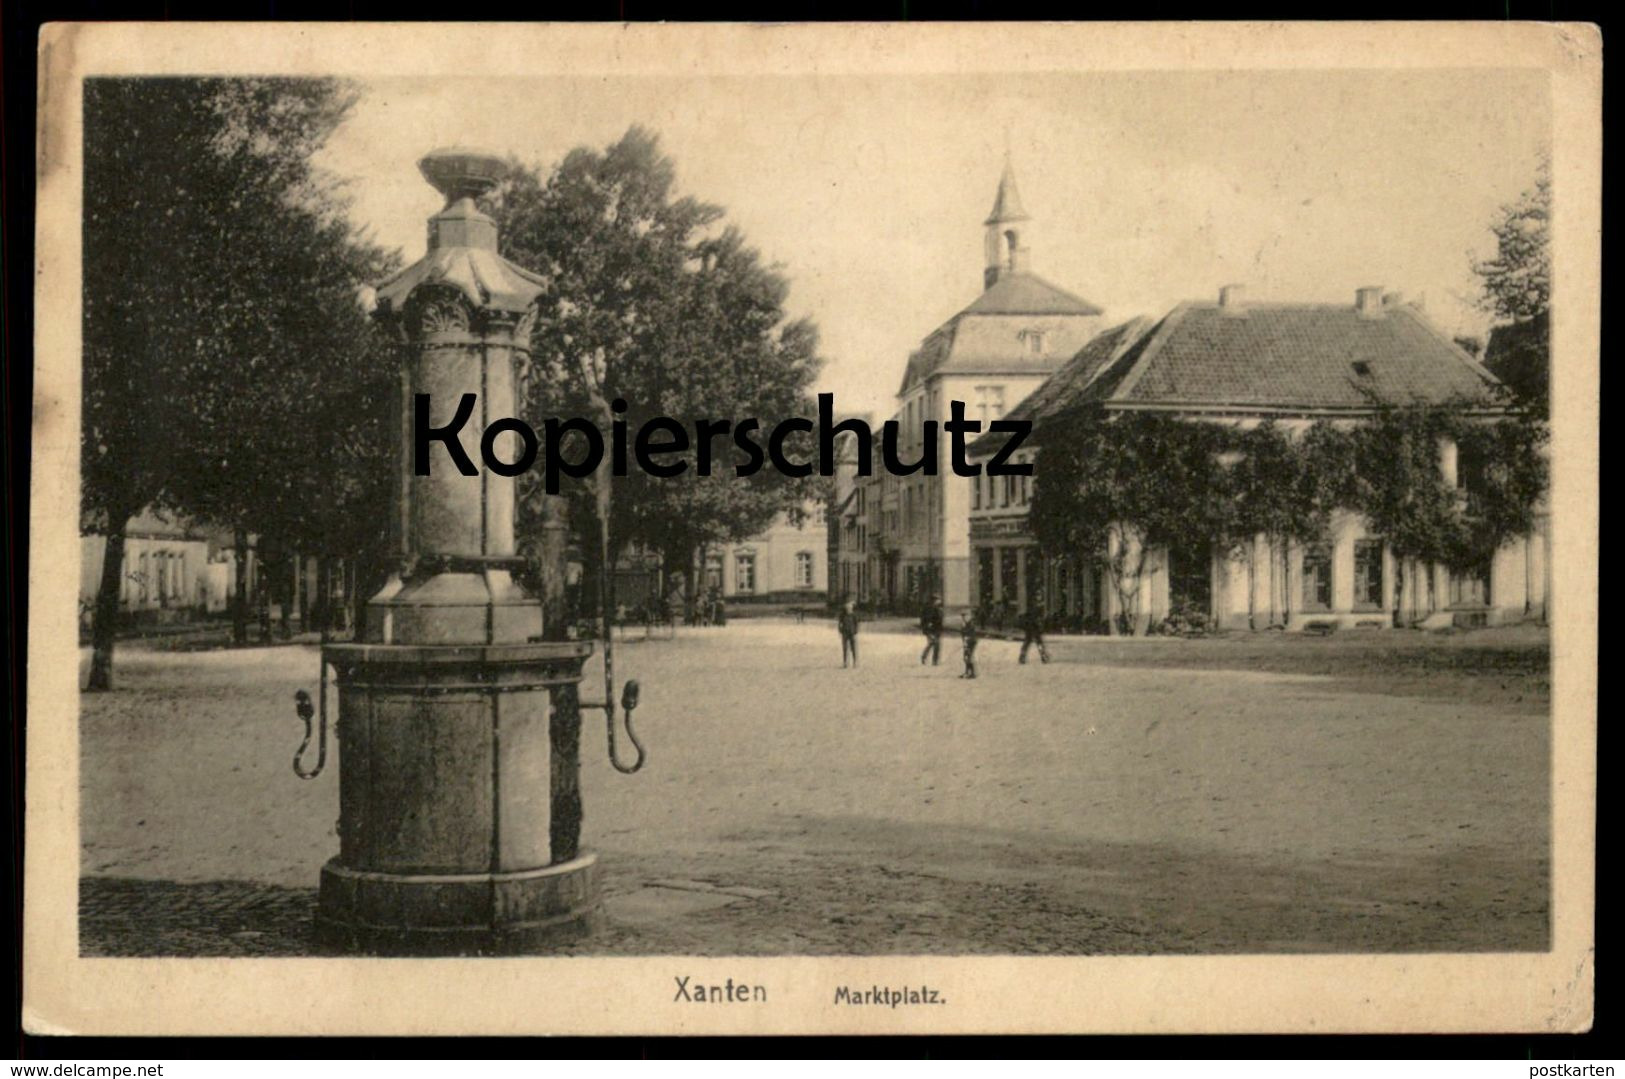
(655, 302)
(221, 333)
(292, 424)
(1516, 286)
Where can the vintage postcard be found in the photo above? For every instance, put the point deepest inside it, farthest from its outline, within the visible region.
(814, 529)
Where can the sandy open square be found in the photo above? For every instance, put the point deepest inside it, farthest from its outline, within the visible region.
(1130, 797)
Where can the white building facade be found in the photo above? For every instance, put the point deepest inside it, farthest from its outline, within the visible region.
(990, 355)
(1241, 364)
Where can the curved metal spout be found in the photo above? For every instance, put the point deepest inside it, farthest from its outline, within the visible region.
(305, 710)
(629, 698)
(629, 701)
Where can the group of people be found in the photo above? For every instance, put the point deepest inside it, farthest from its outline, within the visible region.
(931, 624)
(709, 610)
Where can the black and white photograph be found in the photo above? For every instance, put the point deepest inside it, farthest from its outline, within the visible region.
(814, 529)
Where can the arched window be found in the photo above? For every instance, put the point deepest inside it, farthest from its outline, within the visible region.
(804, 569)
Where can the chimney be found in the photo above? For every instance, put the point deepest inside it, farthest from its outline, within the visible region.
(1231, 298)
(1368, 301)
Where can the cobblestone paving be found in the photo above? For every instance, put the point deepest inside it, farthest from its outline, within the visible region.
(964, 894)
(1346, 804)
(119, 916)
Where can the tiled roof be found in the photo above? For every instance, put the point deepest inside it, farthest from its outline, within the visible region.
(1311, 356)
(1022, 293)
(1277, 358)
(976, 340)
(1292, 356)
(1064, 387)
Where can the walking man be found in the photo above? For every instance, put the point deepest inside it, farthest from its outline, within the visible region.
(968, 636)
(931, 626)
(1032, 632)
(847, 623)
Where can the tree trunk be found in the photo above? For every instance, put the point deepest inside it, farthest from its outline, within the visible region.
(1131, 598)
(552, 557)
(322, 606)
(239, 603)
(299, 599)
(591, 561)
(359, 589)
(1286, 583)
(289, 595)
(104, 619)
(691, 580)
(1273, 609)
(1252, 584)
(564, 719)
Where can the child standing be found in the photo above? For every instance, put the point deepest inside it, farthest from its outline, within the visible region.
(968, 636)
(847, 623)
(1032, 632)
(931, 626)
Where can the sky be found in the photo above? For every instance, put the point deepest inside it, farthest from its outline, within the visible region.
(1145, 188)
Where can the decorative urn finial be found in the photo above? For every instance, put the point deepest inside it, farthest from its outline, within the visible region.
(458, 172)
(462, 241)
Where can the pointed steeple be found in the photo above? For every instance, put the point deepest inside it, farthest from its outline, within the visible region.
(1007, 203)
(1005, 254)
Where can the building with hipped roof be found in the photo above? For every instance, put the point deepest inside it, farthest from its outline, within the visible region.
(1241, 364)
(989, 355)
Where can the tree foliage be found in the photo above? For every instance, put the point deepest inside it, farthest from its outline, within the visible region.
(228, 371)
(653, 300)
(1516, 285)
(1517, 281)
(1519, 355)
(1116, 487)
(1113, 486)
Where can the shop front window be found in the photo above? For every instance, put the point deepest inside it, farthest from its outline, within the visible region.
(1008, 576)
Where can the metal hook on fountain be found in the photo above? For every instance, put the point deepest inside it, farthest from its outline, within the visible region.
(629, 693)
(306, 711)
(629, 701)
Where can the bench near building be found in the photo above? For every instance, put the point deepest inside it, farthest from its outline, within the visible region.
(1239, 363)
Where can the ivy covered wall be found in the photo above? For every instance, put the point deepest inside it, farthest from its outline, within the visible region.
(1443, 486)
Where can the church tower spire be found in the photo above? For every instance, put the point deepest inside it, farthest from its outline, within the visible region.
(1003, 247)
